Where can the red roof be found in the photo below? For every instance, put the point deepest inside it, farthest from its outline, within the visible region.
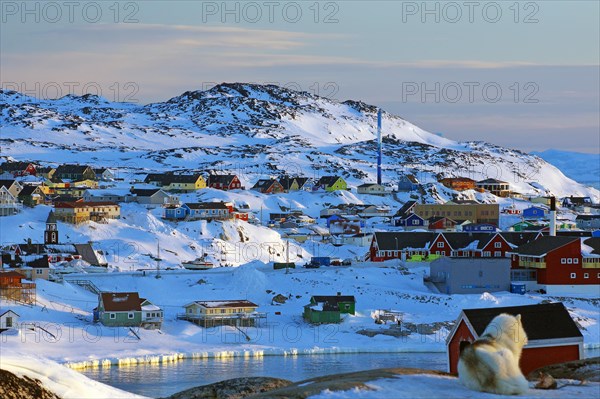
(84, 204)
(121, 301)
(11, 274)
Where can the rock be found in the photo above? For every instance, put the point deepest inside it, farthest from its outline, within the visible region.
(279, 299)
(340, 382)
(583, 370)
(232, 389)
(13, 387)
(546, 381)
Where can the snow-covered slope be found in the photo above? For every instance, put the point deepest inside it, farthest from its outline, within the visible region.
(256, 131)
(584, 168)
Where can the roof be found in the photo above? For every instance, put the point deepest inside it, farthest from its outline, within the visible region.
(594, 243)
(28, 190)
(144, 192)
(12, 166)
(82, 204)
(518, 238)
(328, 180)
(587, 217)
(370, 185)
(10, 311)
(71, 169)
(405, 208)
(51, 219)
(206, 205)
(544, 244)
(333, 299)
(286, 182)
(265, 183)
(457, 179)
(228, 303)
(386, 241)
(168, 179)
(120, 301)
(12, 274)
(471, 240)
(7, 183)
(542, 321)
(491, 181)
(39, 263)
(222, 179)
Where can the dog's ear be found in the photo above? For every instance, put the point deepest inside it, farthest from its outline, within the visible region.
(519, 317)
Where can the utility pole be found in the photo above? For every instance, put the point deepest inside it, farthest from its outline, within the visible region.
(287, 257)
(158, 259)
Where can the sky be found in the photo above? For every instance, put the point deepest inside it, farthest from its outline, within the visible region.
(520, 74)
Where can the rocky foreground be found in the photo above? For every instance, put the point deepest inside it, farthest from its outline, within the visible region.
(582, 377)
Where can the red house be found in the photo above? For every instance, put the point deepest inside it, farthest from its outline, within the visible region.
(224, 182)
(440, 223)
(552, 334)
(18, 168)
(556, 264)
(268, 186)
(402, 245)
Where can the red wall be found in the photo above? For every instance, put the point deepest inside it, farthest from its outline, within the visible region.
(532, 358)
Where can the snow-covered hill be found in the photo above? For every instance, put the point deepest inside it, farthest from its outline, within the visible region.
(584, 168)
(256, 131)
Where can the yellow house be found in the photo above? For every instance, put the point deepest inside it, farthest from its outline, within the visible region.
(79, 212)
(226, 312)
(186, 183)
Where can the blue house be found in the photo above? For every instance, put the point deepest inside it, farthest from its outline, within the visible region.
(334, 218)
(412, 221)
(196, 211)
(534, 212)
(407, 183)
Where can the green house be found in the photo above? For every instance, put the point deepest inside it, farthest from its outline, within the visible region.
(328, 309)
(522, 226)
(283, 265)
(332, 183)
(119, 309)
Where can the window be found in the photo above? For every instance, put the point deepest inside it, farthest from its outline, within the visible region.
(598, 276)
(498, 254)
(586, 275)
(112, 316)
(575, 261)
(39, 271)
(569, 260)
(147, 314)
(498, 244)
(487, 254)
(130, 315)
(573, 275)
(563, 261)
(440, 245)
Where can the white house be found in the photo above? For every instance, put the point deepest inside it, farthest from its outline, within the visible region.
(9, 320)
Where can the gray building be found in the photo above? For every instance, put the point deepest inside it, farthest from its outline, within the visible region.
(470, 275)
(588, 222)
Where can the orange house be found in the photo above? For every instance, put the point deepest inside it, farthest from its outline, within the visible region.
(459, 183)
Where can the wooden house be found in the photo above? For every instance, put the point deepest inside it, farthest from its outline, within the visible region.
(534, 212)
(183, 183)
(558, 265)
(371, 188)
(18, 169)
(224, 182)
(32, 195)
(199, 211)
(9, 320)
(104, 174)
(13, 186)
(79, 212)
(407, 183)
(75, 173)
(458, 183)
(238, 312)
(9, 204)
(332, 183)
(119, 309)
(13, 288)
(497, 187)
(328, 308)
(552, 334)
(148, 197)
(573, 202)
(268, 186)
(588, 222)
(440, 223)
(474, 212)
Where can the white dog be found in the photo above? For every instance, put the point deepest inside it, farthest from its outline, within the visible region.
(491, 363)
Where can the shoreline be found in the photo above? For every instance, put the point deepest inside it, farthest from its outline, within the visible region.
(181, 356)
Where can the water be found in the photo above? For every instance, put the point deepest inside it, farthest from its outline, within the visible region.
(164, 380)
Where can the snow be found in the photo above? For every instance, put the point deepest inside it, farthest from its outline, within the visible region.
(430, 386)
(64, 382)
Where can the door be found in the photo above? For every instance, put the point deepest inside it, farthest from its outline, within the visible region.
(9, 322)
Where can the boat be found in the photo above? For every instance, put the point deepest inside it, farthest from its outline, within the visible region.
(198, 264)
